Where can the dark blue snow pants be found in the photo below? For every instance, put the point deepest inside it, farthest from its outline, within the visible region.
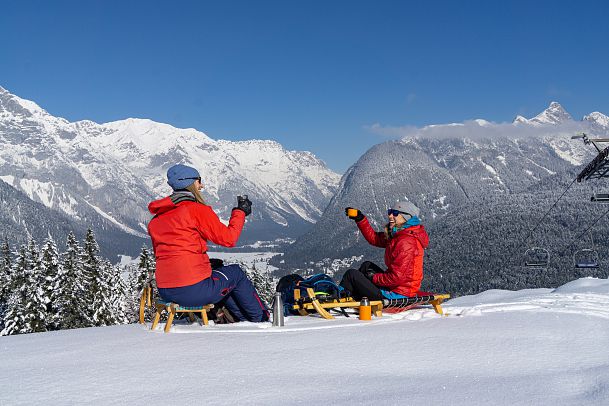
(228, 285)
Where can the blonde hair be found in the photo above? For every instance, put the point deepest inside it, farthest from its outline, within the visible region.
(387, 232)
(195, 191)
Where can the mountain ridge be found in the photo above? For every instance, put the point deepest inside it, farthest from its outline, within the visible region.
(459, 175)
(113, 170)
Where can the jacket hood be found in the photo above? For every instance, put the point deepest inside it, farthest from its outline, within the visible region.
(161, 206)
(418, 232)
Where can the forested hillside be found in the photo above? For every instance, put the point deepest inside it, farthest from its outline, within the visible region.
(480, 193)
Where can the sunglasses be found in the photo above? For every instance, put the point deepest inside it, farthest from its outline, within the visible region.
(199, 178)
(394, 213)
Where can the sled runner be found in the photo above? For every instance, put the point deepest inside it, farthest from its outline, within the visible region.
(145, 300)
(313, 302)
(173, 309)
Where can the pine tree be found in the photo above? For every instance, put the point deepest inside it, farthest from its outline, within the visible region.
(103, 299)
(100, 290)
(51, 271)
(27, 311)
(262, 282)
(72, 294)
(118, 297)
(140, 278)
(5, 279)
(93, 275)
(14, 319)
(36, 290)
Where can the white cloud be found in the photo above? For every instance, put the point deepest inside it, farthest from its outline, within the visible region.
(476, 129)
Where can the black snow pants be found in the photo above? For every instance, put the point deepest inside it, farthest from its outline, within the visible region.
(356, 282)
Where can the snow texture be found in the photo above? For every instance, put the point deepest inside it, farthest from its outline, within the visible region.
(529, 347)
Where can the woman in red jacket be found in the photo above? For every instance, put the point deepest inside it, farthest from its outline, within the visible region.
(181, 226)
(404, 240)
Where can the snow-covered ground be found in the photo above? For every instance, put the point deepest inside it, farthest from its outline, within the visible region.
(530, 347)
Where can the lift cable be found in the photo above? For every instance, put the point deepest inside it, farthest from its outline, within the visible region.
(593, 168)
(584, 232)
(539, 222)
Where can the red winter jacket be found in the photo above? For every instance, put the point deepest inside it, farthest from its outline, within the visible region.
(403, 257)
(179, 235)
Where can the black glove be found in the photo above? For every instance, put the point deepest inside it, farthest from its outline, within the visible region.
(216, 263)
(358, 217)
(244, 204)
(369, 269)
(370, 274)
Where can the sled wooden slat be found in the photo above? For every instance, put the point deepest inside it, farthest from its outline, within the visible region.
(317, 306)
(145, 300)
(437, 302)
(312, 303)
(302, 311)
(173, 309)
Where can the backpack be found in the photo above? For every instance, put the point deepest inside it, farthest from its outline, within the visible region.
(322, 284)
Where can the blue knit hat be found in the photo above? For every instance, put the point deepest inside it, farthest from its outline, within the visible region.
(181, 176)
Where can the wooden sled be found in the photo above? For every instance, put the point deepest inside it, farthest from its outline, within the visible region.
(311, 303)
(173, 309)
(434, 299)
(145, 301)
(303, 305)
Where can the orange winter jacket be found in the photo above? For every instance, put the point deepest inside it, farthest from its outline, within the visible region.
(403, 257)
(179, 235)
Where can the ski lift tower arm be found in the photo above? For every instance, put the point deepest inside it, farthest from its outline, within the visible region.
(593, 141)
(599, 166)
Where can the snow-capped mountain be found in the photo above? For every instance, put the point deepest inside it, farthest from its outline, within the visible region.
(553, 115)
(22, 218)
(598, 120)
(473, 181)
(112, 171)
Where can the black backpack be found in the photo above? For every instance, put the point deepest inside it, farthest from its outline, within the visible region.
(322, 284)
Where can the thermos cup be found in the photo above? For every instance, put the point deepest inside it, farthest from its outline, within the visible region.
(365, 310)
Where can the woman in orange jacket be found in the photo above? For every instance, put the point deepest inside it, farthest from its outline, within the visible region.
(181, 226)
(404, 240)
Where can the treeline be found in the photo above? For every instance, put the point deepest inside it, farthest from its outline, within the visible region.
(43, 289)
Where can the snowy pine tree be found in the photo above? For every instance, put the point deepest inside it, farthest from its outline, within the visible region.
(5, 279)
(141, 277)
(262, 282)
(51, 271)
(118, 298)
(14, 320)
(99, 274)
(37, 288)
(27, 304)
(109, 300)
(72, 294)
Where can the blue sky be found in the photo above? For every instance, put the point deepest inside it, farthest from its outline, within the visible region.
(313, 75)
